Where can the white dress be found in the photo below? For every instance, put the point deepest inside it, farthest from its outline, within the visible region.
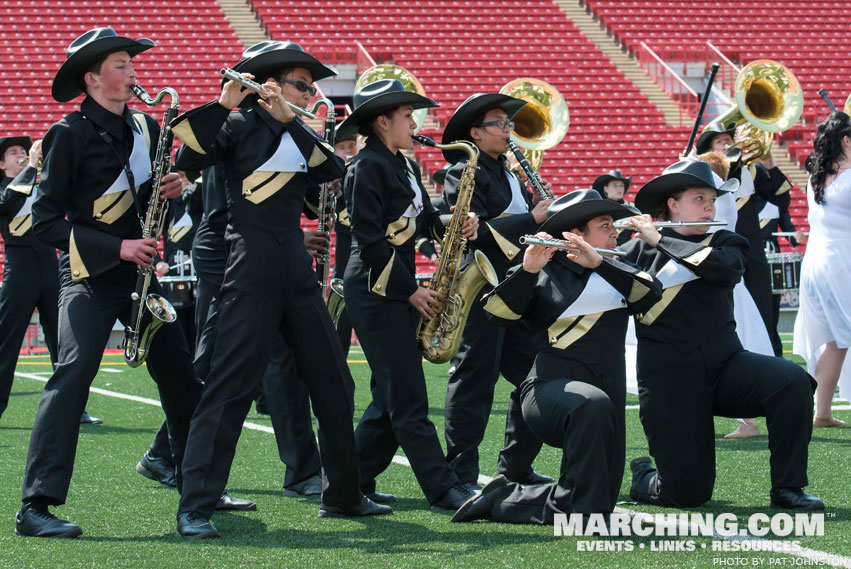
(824, 314)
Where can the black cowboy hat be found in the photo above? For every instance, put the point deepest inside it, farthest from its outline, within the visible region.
(24, 141)
(679, 176)
(352, 135)
(577, 207)
(704, 143)
(462, 120)
(85, 51)
(376, 98)
(601, 181)
(269, 56)
(439, 176)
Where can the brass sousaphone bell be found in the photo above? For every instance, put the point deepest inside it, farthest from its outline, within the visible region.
(543, 122)
(390, 71)
(769, 99)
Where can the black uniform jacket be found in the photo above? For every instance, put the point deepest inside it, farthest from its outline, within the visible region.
(499, 231)
(384, 222)
(574, 312)
(768, 186)
(270, 169)
(182, 223)
(781, 185)
(83, 204)
(16, 199)
(698, 274)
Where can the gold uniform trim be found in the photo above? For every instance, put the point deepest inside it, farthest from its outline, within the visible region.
(143, 126)
(20, 225)
(638, 291)
(698, 257)
(260, 186)
(178, 233)
(764, 222)
(742, 201)
(107, 209)
(784, 187)
(401, 230)
(183, 131)
(318, 157)
(583, 325)
(380, 286)
(343, 218)
(668, 296)
(78, 267)
(496, 306)
(25, 189)
(508, 248)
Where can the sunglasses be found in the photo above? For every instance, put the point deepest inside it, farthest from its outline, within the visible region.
(300, 85)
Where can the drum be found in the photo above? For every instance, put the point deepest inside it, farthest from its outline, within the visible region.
(785, 271)
(424, 279)
(180, 291)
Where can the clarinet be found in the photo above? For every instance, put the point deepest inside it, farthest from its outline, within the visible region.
(327, 201)
(149, 311)
(531, 175)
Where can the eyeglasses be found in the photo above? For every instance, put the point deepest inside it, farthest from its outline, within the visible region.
(502, 124)
(300, 85)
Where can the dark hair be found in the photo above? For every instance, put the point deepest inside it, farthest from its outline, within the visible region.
(481, 118)
(827, 147)
(663, 211)
(365, 127)
(582, 227)
(94, 68)
(280, 72)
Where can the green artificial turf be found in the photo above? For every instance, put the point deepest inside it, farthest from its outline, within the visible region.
(129, 521)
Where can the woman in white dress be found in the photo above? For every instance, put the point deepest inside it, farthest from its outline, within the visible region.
(823, 324)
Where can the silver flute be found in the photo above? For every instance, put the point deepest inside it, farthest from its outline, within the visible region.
(564, 245)
(661, 224)
(236, 77)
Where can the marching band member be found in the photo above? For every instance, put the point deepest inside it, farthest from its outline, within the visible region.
(270, 159)
(95, 182)
(823, 325)
(388, 207)
(507, 210)
(613, 186)
(346, 149)
(31, 273)
(577, 304)
(691, 365)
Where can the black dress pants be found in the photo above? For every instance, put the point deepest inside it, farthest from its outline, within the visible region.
(269, 290)
(30, 281)
(398, 413)
(680, 393)
(584, 416)
(488, 349)
(87, 311)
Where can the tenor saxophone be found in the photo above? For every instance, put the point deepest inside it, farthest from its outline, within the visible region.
(149, 311)
(440, 337)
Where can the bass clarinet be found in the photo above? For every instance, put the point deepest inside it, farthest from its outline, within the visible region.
(150, 310)
(327, 200)
(531, 175)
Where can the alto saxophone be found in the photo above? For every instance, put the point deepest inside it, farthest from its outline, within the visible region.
(440, 337)
(146, 320)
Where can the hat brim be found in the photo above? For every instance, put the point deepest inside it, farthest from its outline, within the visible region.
(581, 212)
(601, 182)
(458, 126)
(65, 85)
(653, 193)
(704, 141)
(271, 61)
(23, 141)
(377, 105)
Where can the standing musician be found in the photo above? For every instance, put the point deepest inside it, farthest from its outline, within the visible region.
(691, 364)
(30, 271)
(270, 159)
(507, 211)
(613, 186)
(95, 184)
(754, 181)
(578, 304)
(346, 149)
(389, 208)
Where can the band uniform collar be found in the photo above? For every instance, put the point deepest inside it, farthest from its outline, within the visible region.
(109, 121)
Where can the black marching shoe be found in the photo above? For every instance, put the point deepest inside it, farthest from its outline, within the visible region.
(308, 488)
(159, 469)
(453, 498)
(532, 478)
(794, 499)
(228, 502)
(638, 466)
(480, 507)
(35, 520)
(473, 486)
(196, 526)
(366, 507)
(381, 498)
(86, 419)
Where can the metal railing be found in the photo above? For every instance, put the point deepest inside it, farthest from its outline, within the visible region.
(671, 82)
